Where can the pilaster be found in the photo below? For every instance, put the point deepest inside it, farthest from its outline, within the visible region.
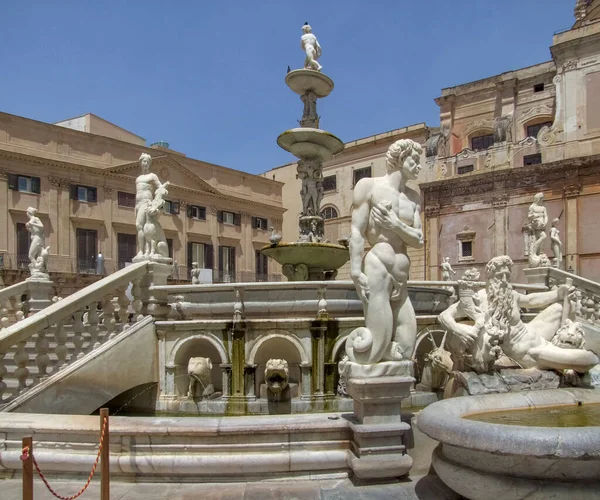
(571, 250)
(432, 241)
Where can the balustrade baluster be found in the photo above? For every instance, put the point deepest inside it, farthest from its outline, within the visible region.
(108, 316)
(92, 326)
(42, 359)
(137, 304)
(78, 339)
(21, 372)
(4, 312)
(3, 372)
(61, 349)
(123, 302)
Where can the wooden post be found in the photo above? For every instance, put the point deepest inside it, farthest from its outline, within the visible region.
(104, 457)
(28, 470)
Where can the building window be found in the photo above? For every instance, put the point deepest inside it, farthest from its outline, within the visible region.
(465, 169)
(126, 248)
(170, 247)
(538, 87)
(466, 249)
(360, 173)
(229, 218)
(87, 246)
(171, 207)
(126, 199)
(533, 130)
(262, 266)
(465, 244)
(202, 254)
(329, 213)
(196, 212)
(482, 142)
(24, 183)
(535, 159)
(260, 223)
(227, 264)
(23, 241)
(329, 183)
(83, 193)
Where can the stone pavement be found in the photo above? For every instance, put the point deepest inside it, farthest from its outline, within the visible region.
(417, 488)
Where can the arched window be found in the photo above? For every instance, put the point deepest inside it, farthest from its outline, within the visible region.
(329, 213)
(533, 127)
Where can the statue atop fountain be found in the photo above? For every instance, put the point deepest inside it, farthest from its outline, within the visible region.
(149, 202)
(38, 251)
(310, 45)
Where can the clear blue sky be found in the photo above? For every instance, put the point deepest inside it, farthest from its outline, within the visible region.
(208, 76)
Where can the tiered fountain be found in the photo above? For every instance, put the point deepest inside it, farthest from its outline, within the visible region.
(312, 257)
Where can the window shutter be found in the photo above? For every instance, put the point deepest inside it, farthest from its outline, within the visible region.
(13, 182)
(92, 195)
(219, 215)
(208, 256)
(232, 261)
(254, 222)
(237, 220)
(35, 185)
(202, 213)
(188, 210)
(73, 191)
(174, 207)
(189, 257)
(220, 259)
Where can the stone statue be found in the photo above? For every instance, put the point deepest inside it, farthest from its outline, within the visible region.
(199, 371)
(277, 375)
(556, 244)
(309, 115)
(386, 214)
(437, 367)
(38, 252)
(311, 47)
(312, 189)
(502, 129)
(446, 269)
(498, 328)
(149, 201)
(195, 273)
(537, 220)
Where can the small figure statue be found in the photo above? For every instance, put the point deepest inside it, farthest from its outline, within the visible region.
(447, 269)
(543, 343)
(149, 201)
(199, 370)
(556, 244)
(538, 220)
(275, 238)
(386, 214)
(38, 252)
(312, 189)
(195, 273)
(311, 46)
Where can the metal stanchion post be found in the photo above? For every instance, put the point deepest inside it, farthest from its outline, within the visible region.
(104, 458)
(28, 468)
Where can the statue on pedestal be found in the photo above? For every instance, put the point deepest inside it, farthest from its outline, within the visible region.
(311, 47)
(195, 273)
(549, 341)
(149, 202)
(38, 252)
(537, 220)
(556, 244)
(386, 214)
(447, 269)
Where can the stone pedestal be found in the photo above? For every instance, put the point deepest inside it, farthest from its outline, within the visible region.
(379, 436)
(40, 294)
(536, 275)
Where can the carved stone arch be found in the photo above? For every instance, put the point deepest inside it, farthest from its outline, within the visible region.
(540, 111)
(209, 337)
(281, 334)
(480, 127)
(332, 207)
(339, 342)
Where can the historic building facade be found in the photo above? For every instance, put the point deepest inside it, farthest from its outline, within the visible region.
(504, 139)
(83, 186)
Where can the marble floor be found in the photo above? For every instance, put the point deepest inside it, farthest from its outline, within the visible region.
(417, 488)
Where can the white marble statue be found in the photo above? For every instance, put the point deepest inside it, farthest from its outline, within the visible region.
(386, 214)
(498, 328)
(556, 244)
(149, 202)
(310, 173)
(199, 371)
(447, 269)
(38, 252)
(195, 273)
(277, 375)
(538, 220)
(311, 47)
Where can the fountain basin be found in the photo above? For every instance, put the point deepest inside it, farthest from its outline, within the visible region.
(303, 80)
(482, 460)
(306, 142)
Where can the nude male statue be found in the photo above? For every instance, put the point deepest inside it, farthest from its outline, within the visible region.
(386, 214)
(498, 327)
(36, 230)
(447, 269)
(311, 46)
(555, 243)
(538, 220)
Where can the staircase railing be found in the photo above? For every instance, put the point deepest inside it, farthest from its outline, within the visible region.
(67, 330)
(11, 303)
(587, 304)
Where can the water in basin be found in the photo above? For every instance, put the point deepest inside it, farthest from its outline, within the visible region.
(583, 415)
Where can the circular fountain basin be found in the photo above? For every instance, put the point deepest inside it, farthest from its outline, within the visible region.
(318, 257)
(481, 460)
(303, 80)
(310, 143)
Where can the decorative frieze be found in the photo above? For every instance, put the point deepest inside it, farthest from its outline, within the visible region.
(572, 190)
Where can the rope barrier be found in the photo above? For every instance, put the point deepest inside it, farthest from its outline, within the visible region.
(25, 455)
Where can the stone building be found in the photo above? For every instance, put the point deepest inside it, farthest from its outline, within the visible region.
(80, 175)
(505, 138)
(360, 158)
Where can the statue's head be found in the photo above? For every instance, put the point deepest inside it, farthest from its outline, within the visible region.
(31, 212)
(499, 268)
(539, 197)
(145, 162)
(447, 259)
(569, 336)
(404, 155)
(555, 222)
(306, 28)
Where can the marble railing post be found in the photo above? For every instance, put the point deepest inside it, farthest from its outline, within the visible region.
(155, 302)
(40, 295)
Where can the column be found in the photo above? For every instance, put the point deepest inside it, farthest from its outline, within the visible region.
(4, 217)
(500, 224)
(226, 378)
(571, 251)
(318, 359)
(432, 214)
(250, 381)
(238, 360)
(305, 371)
